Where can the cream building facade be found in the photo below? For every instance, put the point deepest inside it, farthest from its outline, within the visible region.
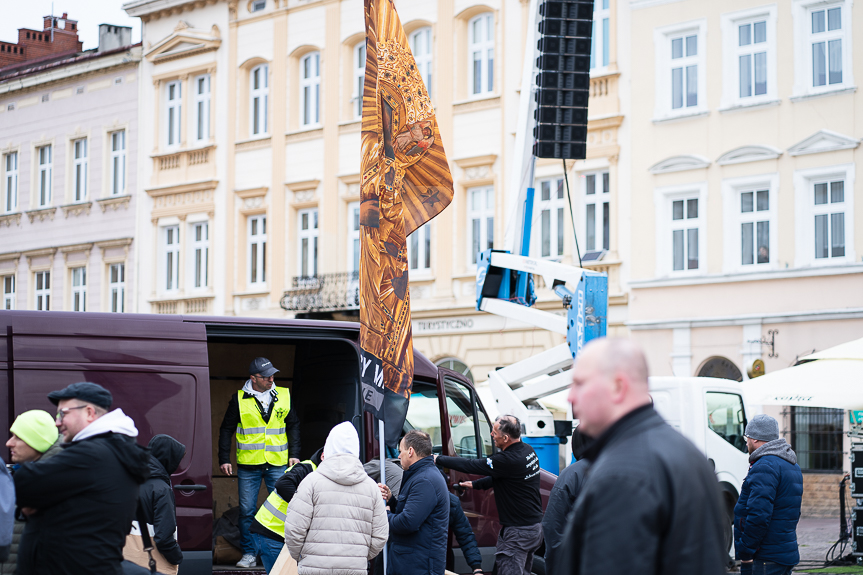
(747, 229)
(250, 165)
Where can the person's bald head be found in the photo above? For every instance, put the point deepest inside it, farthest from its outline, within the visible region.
(609, 379)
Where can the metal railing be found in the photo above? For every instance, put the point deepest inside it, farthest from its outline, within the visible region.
(323, 292)
(816, 437)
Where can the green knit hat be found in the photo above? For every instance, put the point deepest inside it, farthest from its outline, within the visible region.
(36, 428)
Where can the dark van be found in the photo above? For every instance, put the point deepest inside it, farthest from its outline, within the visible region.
(175, 375)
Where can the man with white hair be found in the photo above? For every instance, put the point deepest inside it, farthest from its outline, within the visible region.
(648, 486)
(336, 522)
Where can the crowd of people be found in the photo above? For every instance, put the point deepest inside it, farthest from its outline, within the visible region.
(87, 498)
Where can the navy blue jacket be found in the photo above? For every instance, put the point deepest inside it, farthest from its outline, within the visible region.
(419, 526)
(766, 514)
(463, 533)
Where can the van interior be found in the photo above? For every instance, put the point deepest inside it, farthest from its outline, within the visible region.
(321, 376)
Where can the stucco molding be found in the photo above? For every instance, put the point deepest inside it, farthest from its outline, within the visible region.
(184, 42)
(823, 141)
(10, 219)
(680, 163)
(76, 209)
(114, 204)
(42, 215)
(743, 154)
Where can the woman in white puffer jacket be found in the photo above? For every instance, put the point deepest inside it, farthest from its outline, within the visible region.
(336, 522)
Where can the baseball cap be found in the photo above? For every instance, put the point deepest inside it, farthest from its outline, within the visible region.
(85, 391)
(263, 366)
(36, 428)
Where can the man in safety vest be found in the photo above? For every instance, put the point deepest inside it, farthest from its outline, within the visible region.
(268, 526)
(268, 433)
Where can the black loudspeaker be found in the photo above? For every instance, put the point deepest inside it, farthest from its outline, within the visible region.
(564, 79)
(857, 531)
(857, 473)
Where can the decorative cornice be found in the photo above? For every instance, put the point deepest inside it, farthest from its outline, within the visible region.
(42, 214)
(679, 164)
(76, 248)
(176, 189)
(10, 256)
(154, 9)
(351, 127)
(823, 141)
(76, 209)
(10, 219)
(118, 243)
(304, 135)
(745, 154)
(303, 185)
(476, 105)
(114, 203)
(255, 144)
(604, 123)
(486, 160)
(252, 192)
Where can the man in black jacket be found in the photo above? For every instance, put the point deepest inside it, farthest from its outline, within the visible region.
(513, 472)
(80, 503)
(648, 488)
(156, 504)
(268, 440)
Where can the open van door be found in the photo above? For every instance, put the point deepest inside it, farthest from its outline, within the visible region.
(156, 370)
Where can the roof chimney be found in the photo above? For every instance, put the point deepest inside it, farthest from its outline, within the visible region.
(112, 37)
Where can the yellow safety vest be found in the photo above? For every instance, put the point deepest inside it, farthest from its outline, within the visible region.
(274, 510)
(258, 441)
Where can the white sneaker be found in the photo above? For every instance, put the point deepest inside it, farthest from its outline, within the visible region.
(248, 561)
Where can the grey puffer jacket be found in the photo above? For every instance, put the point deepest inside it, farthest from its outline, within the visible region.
(336, 522)
(8, 568)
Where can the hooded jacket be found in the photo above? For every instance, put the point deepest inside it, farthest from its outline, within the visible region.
(651, 490)
(768, 509)
(8, 567)
(336, 522)
(420, 522)
(156, 499)
(85, 499)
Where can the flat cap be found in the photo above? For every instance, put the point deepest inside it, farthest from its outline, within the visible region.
(85, 391)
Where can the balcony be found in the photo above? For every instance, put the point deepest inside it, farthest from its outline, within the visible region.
(185, 306)
(323, 293)
(184, 166)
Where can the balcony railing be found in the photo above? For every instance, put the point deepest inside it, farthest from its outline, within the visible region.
(324, 292)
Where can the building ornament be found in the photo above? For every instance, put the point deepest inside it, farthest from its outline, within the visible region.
(10, 219)
(76, 209)
(114, 204)
(680, 163)
(745, 154)
(823, 141)
(42, 214)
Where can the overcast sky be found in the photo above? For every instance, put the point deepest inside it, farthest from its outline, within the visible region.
(88, 13)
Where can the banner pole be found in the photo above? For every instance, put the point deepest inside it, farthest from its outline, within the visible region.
(383, 445)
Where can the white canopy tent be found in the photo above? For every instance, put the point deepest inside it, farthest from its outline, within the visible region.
(833, 378)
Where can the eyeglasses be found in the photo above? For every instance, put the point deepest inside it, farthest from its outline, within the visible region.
(65, 411)
(267, 378)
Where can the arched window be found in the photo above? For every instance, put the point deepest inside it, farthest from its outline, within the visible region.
(310, 89)
(481, 54)
(259, 99)
(421, 46)
(359, 60)
(457, 365)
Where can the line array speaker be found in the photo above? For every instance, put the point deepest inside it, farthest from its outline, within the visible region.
(563, 83)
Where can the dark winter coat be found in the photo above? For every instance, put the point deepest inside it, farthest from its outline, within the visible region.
(8, 567)
(85, 499)
(650, 504)
(463, 533)
(419, 526)
(156, 499)
(767, 511)
(560, 503)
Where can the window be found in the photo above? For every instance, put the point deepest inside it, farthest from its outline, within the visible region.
(79, 169)
(10, 181)
(45, 169)
(726, 417)
(600, 41)
(816, 437)
(257, 249)
(684, 233)
(354, 235)
(419, 248)
(202, 108)
(421, 46)
(752, 58)
(751, 210)
(118, 163)
(749, 57)
(597, 212)
(754, 227)
(310, 88)
(829, 202)
(457, 365)
(79, 289)
(258, 5)
(117, 287)
(481, 52)
(681, 70)
(480, 217)
(172, 258)
(42, 291)
(8, 285)
(259, 83)
(173, 110)
(549, 198)
(684, 71)
(826, 41)
(359, 78)
(200, 253)
(307, 240)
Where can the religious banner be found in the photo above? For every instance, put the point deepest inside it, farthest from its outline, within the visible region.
(405, 182)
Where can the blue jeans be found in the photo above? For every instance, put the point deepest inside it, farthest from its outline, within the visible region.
(268, 549)
(249, 484)
(759, 567)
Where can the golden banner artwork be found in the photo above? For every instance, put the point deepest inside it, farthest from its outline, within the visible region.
(405, 183)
